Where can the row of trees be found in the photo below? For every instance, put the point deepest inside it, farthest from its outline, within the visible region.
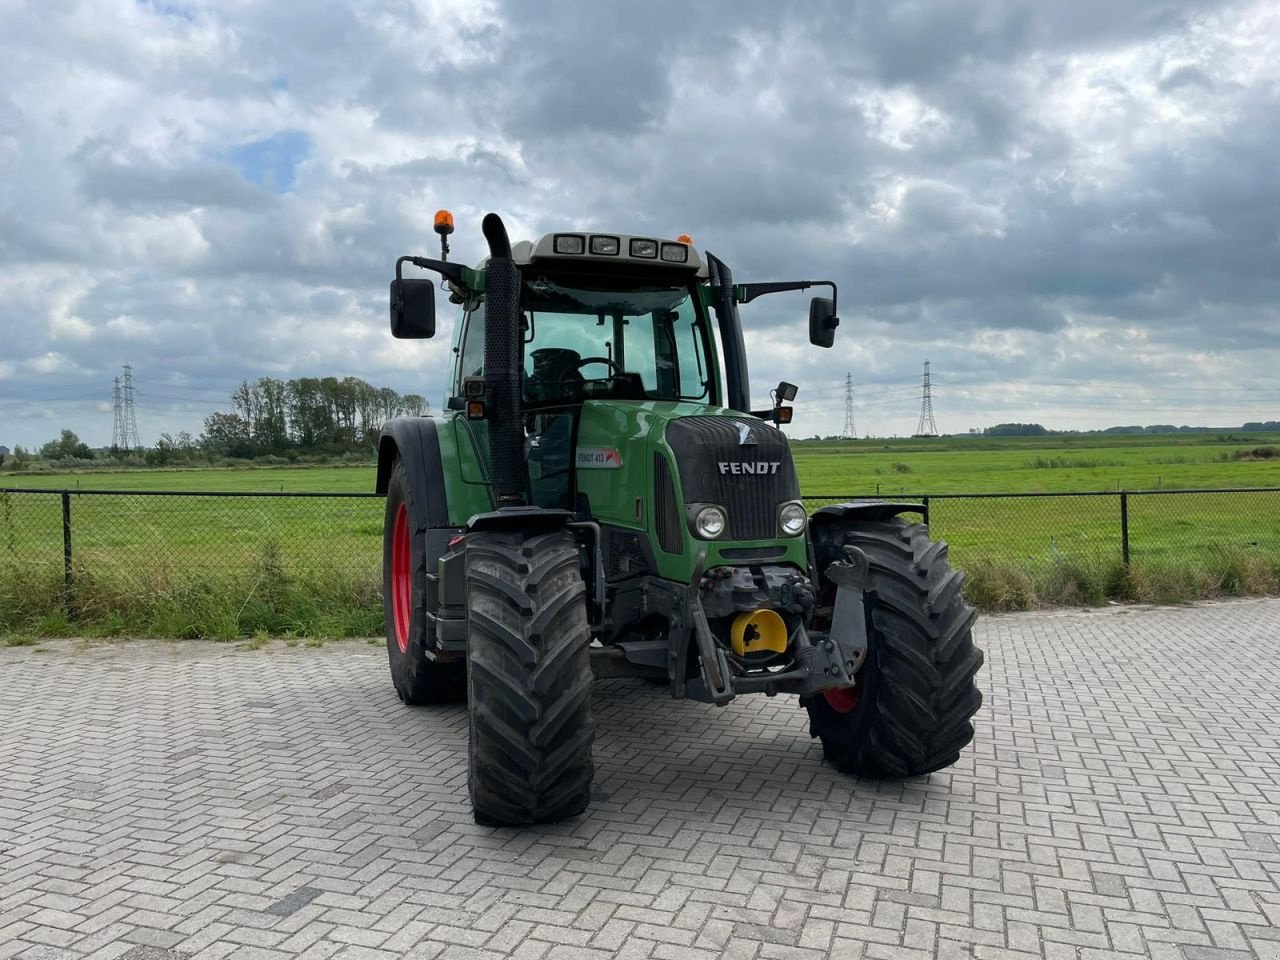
(1036, 430)
(309, 414)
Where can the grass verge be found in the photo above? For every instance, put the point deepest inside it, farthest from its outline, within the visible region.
(266, 600)
(994, 585)
(271, 601)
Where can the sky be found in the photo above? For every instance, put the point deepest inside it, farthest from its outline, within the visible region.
(1071, 209)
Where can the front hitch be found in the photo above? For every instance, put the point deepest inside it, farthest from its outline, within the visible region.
(712, 662)
(820, 660)
(849, 617)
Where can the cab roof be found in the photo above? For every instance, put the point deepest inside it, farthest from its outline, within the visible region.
(563, 248)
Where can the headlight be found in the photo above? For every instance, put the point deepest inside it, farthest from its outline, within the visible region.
(710, 522)
(568, 243)
(606, 246)
(644, 248)
(792, 519)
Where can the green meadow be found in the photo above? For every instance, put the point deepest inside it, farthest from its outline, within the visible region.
(236, 566)
(893, 467)
(1037, 465)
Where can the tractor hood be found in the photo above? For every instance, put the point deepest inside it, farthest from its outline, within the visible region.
(645, 465)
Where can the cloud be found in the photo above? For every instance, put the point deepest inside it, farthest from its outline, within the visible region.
(1070, 208)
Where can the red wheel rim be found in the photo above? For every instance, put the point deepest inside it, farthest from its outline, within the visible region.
(842, 699)
(401, 577)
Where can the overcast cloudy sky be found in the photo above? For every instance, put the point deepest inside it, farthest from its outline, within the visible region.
(1071, 208)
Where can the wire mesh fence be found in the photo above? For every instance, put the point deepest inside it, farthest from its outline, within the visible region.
(1100, 528)
(231, 563)
(241, 561)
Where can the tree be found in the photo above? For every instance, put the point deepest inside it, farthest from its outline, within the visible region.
(226, 435)
(413, 405)
(17, 459)
(248, 406)
(388, 404)
(67, 447)
(271, 432)
(163, 452)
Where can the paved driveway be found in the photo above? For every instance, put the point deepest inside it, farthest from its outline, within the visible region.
(1122, 797)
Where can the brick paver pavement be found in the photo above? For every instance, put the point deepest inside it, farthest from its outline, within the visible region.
(196, 799)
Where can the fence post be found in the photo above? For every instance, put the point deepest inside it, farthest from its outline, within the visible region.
(68, 575)
(1124, 527)
(924, 502)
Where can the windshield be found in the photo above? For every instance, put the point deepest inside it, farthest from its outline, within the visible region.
(593, 329)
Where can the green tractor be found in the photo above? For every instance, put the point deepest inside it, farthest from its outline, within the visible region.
(601, 500)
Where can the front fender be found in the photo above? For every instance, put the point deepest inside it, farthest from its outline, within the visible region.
(827, 522)
(870, 510)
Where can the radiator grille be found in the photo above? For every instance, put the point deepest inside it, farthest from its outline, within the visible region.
(709, 449)
(666, 510)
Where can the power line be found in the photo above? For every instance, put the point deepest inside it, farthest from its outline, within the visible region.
(849, 432)
(926, 427)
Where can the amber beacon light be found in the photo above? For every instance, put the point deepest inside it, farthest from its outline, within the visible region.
(444, 227)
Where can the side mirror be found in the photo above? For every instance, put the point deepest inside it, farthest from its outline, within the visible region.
(413, 309)
(822, 321)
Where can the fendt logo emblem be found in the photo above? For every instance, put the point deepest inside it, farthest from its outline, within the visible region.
(745, 436)
(755, 467)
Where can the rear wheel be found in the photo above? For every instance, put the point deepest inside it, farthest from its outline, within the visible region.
(418, 679)
(910, 712)
(529, 678)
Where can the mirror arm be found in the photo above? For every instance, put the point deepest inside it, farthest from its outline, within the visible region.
(450, 271)
(746, 292)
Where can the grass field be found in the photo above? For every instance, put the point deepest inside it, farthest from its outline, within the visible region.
(892, 467)
(354, 478)
(233, 566)
(1035, 465)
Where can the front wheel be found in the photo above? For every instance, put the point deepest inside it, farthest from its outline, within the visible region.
(529, 678)
(910, 712)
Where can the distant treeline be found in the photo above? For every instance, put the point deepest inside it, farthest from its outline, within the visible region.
(309, 414)
(311, 418)
(1036, 430)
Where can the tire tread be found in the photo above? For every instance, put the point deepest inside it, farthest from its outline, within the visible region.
(917, 711)
(530, 678)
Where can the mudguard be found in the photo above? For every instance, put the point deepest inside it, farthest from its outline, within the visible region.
(826, 523)
(418, 444)
(532, 519)
(871, 510)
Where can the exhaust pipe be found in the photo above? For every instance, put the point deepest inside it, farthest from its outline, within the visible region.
(502, 372)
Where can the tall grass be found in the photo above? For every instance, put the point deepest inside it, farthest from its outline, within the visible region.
(1069, 463)
(1218, 572)
(271, 600)
(267, 598)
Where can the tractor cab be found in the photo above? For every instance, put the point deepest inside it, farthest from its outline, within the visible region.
(594, 331)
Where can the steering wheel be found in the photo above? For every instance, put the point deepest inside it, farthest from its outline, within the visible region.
(586, 361)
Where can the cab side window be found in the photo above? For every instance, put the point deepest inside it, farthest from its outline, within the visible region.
(471, 360)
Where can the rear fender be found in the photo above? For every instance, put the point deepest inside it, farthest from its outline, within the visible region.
(417, 442)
